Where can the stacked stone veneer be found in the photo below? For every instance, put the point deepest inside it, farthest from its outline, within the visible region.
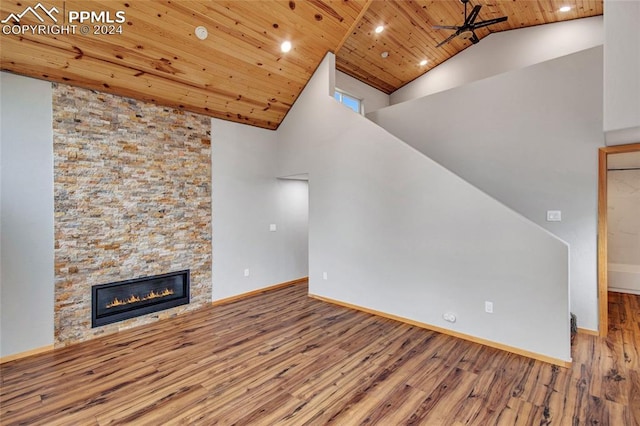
(132, 185)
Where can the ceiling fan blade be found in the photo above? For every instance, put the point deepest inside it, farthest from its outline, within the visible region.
(488, 22)
(444, 27)
(474, 39)
(473, 15)
(451, 37)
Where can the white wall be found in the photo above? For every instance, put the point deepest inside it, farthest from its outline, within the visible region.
(398, 233)
(506, 51)
(26, 215)
(622, 71)
(247, 197)
(529, 138)
(372, 99)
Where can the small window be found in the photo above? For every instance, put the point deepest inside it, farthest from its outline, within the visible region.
(348, 100)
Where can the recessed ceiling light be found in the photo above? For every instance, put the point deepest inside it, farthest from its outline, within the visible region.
(384, 54)
(379, 29)
(565, 8)
(201, 32)
(423, 62)
(285, 46)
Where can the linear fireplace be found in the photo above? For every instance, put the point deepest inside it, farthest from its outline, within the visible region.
(121, 300)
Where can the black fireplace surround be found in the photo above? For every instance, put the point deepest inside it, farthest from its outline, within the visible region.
(122, 300)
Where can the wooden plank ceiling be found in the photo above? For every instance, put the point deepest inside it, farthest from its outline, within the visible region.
(408, 36)
(239, 73)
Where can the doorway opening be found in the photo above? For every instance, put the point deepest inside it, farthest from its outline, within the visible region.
(603, 253)
(294, 203)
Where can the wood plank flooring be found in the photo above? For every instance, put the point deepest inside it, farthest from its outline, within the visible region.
(281, 358)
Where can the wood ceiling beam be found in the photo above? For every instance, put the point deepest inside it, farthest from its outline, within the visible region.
(354, 25)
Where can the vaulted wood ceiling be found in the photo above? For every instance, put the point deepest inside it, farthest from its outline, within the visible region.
(239, 73)
(409, 38)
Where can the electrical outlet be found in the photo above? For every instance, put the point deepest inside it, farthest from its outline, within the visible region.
(488, 307)
(554, 216)
(273, 227)
(246, 272)
(449, 317)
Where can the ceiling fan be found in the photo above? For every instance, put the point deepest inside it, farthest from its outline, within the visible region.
(466, 31)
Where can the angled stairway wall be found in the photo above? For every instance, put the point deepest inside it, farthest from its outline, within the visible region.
(529, 138)
(396, 232)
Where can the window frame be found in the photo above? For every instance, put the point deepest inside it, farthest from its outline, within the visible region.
(342, 94)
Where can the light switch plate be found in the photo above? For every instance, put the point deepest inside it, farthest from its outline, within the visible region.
(554, 216)
(273, 227)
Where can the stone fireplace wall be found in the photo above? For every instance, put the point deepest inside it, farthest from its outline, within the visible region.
(132, 188)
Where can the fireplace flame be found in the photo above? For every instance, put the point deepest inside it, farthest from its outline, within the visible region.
(133, 298)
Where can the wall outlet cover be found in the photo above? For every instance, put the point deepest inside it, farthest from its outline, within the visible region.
(554, 216)
(488, 307)
(451, 317)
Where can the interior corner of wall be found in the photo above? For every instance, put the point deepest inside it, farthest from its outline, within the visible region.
(331, 59)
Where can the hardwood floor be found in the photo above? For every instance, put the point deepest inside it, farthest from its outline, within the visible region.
(282, 358)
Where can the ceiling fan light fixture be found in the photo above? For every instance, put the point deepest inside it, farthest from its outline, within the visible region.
(423, 62)
(466, 35)
(565, 8)
(466, 31)
(379, 29)
(285, 46)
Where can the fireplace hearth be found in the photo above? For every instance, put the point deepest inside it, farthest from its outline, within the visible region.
(122, 300)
